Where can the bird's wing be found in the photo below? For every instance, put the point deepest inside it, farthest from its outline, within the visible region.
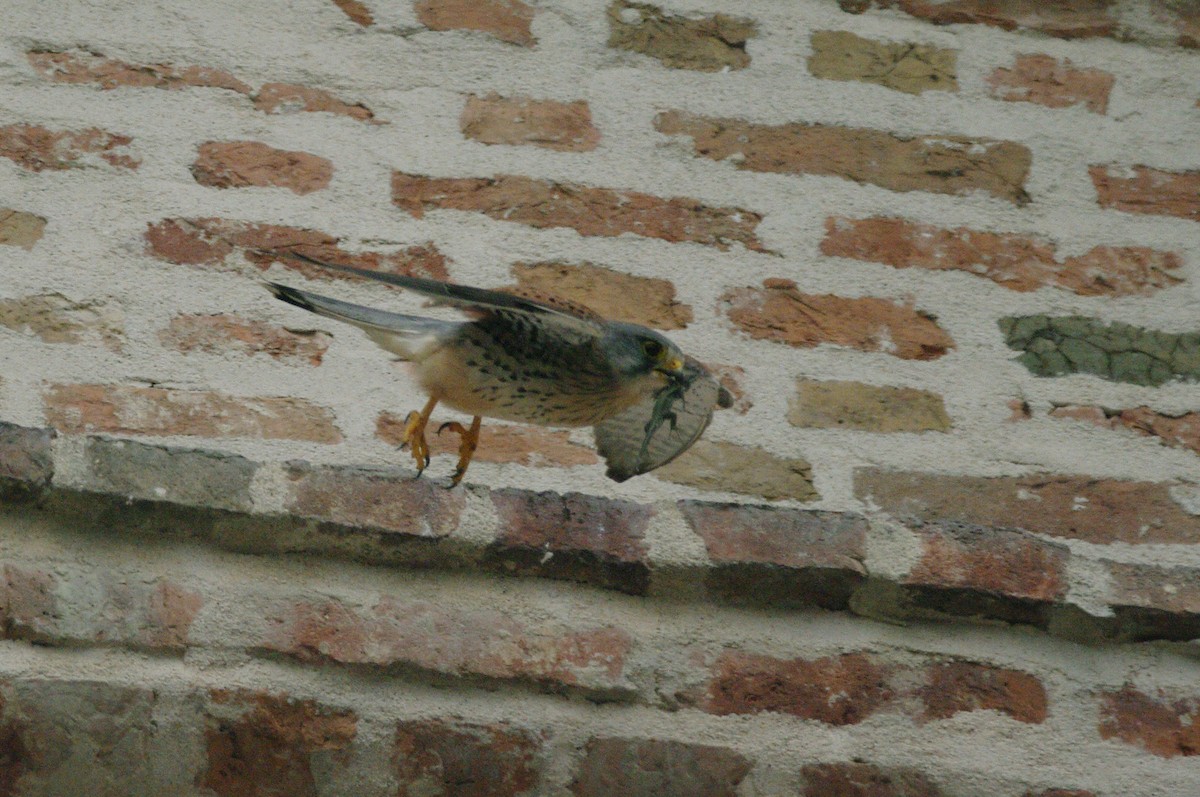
(663, 426)
(472, 299)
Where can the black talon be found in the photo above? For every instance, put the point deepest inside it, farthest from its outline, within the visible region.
(443, 426)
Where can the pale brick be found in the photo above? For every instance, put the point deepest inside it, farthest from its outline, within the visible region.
(903, 66)
(612, 294)
(224, 334)
(19, 228)
(563, 126)
(869, 408)
(705, 43)
(1045, 80)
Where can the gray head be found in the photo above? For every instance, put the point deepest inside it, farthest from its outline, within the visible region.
(635, 350)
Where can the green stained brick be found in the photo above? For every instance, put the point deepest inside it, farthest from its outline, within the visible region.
(1083, 356)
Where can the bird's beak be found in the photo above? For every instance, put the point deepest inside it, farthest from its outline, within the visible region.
(672, 369)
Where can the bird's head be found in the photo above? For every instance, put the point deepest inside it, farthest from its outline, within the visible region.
(636, 351)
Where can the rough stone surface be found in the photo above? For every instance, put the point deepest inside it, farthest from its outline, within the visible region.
(749, 470)
(968, 686)
(858, 779)
(159, 473)
(1074, 507)
(903, 66)
(1045, 80)
(780, 312)
(125, 409)
(79, 66)
(943, 164)
(1018, 262)
(18, 228)
(237, 164)
(587, 210)
(1163, 725)
(1059, 345)
(208, 241)
(508, 20)
(223, 333)
(25, 455)
(653, 767)
(704, 43)
(445, 757)
(40, 149)
(1142, 189)
(563, 126)
(869, 408)
(287, 98)
(612, 294)
(54, 318)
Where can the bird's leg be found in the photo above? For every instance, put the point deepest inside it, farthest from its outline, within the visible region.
(414, 434)
(466, 448)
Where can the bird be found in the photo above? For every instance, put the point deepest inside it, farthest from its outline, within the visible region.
(534, 358)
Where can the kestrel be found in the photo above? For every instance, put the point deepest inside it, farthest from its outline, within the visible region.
(535, 359)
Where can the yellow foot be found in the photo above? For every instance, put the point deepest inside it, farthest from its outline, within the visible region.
(414, 435)
(466, 448)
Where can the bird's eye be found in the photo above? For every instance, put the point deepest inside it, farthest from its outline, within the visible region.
(652, 348)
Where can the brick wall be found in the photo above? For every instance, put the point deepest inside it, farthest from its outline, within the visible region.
(945, 254)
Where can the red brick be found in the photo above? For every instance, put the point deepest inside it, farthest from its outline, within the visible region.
(563, 126)
(837, 690)
(39, 148)
(28, 608)
(1186, 18)
(795, 538)
(704, 43)
(1163, 725)
(18, 228)
(124, 409)
(270, 743)
(508, 20)
(780, 312)
(482, 642)
(1065, 19)
(26, 455)
(222, 334)
(289, 98)
(858, 779)
(531, 446)
(447, 756)
(968, 686)
(942, 164)
(1143, 189)
(16, 756)
(1045, 80)
(1075, 507)
(998, 561)
(77, 66)
(1176, 431)
(1018, 262)
(612, 294)
(389, 501)
(237, 164)
(655, 767)
(1061, 793)
(587, 210)
(359, 12)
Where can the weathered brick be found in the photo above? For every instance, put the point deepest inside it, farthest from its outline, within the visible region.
(358, 12)
(780, 312)
(453, 642)
(1176, 431)
(1162, 724)
(859, 779)
(223, 333)
(655, 767)
(448, 756)
(26, 458)
(1061, 793)
(572, 536)
(1186, 18)
(837, 690)
(750, 470)
(1152, 601)
(612, 294)
(587, 210)
(508, 20)
(385, 500)
(531, 446)
(869, 408)
(79, 66)
(1059, 345)
(704, 43)
(969, 686)
(1065, 19)
(143, 472)
(1075, 507)
(39, 148)
(207, 241)
(19, 228)
(29, 608)
(780, 557)
(1018, 262)
(903, 66)
(257, 743)
(1143, 189)
(57, 319)
(289, 98)
(1045, 80)
(563, 126)
(237, 164)
(938, 163)
(125, 409)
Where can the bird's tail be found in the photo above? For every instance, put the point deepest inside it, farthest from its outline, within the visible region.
(409, 336)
